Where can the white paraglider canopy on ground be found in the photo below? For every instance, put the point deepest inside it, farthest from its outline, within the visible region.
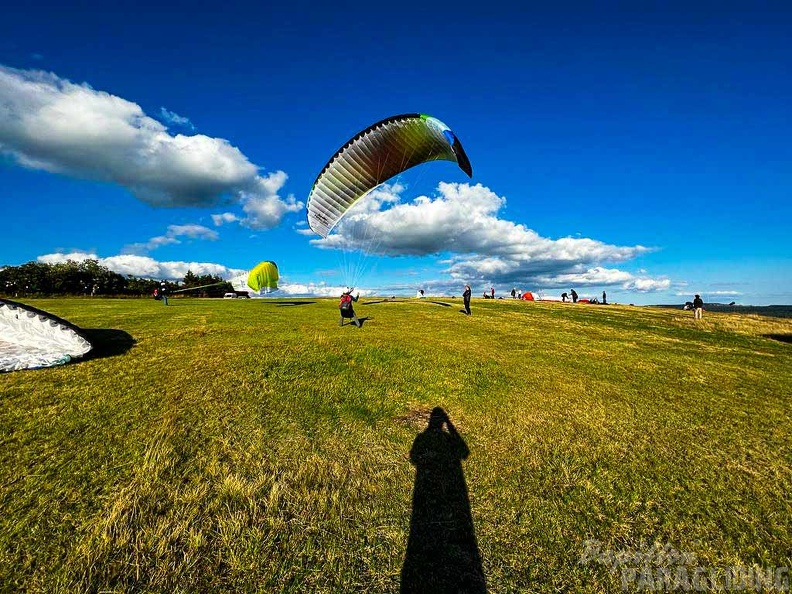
(31, 338)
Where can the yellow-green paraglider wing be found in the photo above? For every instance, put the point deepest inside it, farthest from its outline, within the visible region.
(264, 277)
(375, 155)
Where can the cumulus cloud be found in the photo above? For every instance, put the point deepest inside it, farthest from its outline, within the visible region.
(52, 124)
(317, 290)
(172, 236)
(287, 289)
(463, 220)
(222, 218)
(144, 266)
(147, 267)
(647, 285)
(175, 119)
(262, 204)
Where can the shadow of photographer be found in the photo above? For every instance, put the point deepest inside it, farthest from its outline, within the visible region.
(442, 553)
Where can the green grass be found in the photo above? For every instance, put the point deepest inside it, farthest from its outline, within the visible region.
(256, 446)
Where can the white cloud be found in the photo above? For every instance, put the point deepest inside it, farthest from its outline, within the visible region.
(647, 285)
(193, 231)
(463, 220)
(597, 276)
(263, 205)
(287, 289)
(146, 267)
(222, 218)
(172, 237)
(175, 119)
(52, 124)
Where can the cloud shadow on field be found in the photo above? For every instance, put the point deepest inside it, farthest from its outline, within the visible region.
(440, 303)
(293, 303)
(383, 301)
(442, 552)
(787, 338)
(107, 342)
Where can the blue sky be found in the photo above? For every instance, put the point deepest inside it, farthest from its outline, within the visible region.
(642, 149)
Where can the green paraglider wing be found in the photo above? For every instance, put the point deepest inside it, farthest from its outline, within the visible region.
(375, 155)
(263, 277)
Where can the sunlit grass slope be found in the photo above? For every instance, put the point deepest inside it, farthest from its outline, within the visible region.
(256, 446)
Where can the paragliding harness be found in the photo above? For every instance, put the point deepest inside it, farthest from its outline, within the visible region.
(346, 305)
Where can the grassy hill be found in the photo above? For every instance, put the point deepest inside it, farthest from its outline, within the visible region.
(256, 446)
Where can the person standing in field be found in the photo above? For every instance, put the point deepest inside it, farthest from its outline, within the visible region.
(466, 300)
(574, 295)
(346, 308)
(698, 307)
(604, 298)
(164, 293)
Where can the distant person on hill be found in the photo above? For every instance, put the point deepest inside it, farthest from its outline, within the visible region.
(466, 300)
(346, 308)
(164, 293)
(698, 307)
(574, 295)
(563, 297)
(492, 292)
(604, 299)
(514, 293)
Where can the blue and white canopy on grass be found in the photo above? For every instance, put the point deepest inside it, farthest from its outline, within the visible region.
(31, 338)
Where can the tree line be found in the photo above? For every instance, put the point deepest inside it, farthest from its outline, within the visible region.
(88, 277)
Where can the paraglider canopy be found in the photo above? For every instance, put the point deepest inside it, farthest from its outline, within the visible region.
(264, 277)
(375, 155)
(31, 338)
(528, 296)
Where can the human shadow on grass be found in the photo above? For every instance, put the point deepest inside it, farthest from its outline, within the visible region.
(361, 320)
(107, 342)
(442, 553)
